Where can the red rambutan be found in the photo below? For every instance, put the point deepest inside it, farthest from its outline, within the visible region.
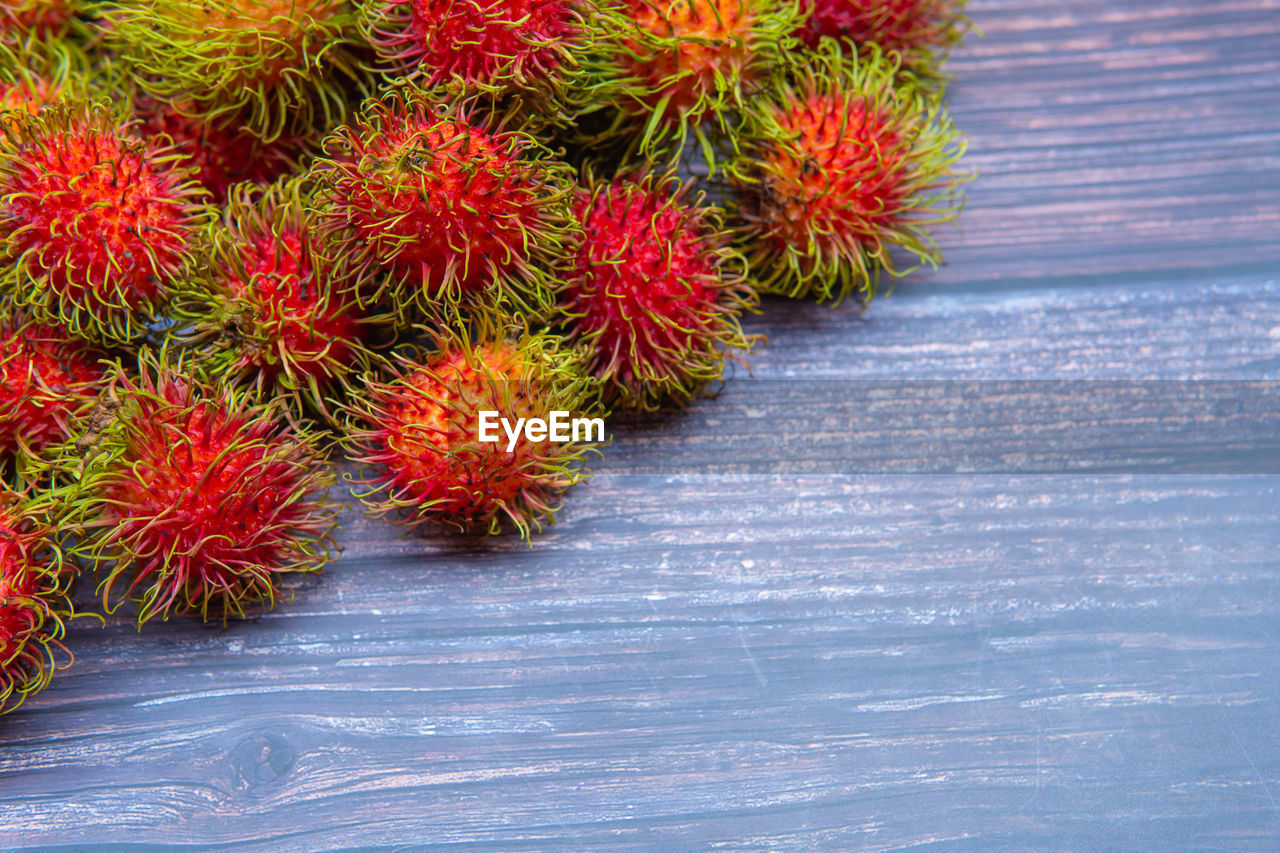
(192, 496)
(843, 166)
(673, 65)
(33, 601)
(220, 151)
(921, 32)
(447, 201)
(420, 432)
(280, 65)
(653, 289)
(266, 306)
(46, 382)
(491, 46)
(95, 222)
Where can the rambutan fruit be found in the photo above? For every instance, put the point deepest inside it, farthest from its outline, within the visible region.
(192, 496)
(95, 221)
(673, 66)
(221, 151)
(266, 306)
(652, 289)
(35, 74)
(33, 601)
(420, 434)
(446, 200)
(843, 166)
(280, 64)
(47, 381)
(43, 19)
(496, 47)
(921, 32)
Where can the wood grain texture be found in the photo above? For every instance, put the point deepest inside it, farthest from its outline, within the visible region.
(695, 659)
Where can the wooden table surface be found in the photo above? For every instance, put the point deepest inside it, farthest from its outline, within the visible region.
(819, 656)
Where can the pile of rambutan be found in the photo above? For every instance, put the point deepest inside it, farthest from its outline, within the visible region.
(248, 245)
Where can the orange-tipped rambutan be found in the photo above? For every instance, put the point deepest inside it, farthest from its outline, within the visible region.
(95, 221)
(192, 498)
(444, 199)
(673, 66)
(47, 381)
(921, 32)
(33, 601)
(266, 306)
(280, 65)
(420, 433)
(497, 47)
(219, 149)
(843, 167)
(653, 289)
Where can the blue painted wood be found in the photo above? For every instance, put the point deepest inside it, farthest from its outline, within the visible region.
(692, 660)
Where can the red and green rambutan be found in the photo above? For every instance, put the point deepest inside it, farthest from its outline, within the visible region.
(47, 381)
(443, 201)
(281, 65)
(842, 167)
(673, 68)
(418, 432)
(95, 221)
(35, 74)
(920, 32)
(266, 306)
(652, 289)
(190, 497)
(43, 19)
(219, 149)
(495, 47)
(33, 601)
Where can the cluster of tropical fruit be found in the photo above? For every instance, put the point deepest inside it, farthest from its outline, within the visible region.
(241, 240)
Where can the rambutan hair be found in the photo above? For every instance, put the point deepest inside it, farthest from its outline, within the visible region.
(671, 69)
(281, 65)
(34, 74)
(920, 32)
(838, 167)
(653, 289)
(267, 306)
(494, 47)
(22, 20)
(417, 432)
(34, 606)
(191, 496)
(220, 150)
(48, 381)
(440, 201)
(95, 221)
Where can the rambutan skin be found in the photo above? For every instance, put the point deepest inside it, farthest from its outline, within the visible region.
(95, 222)
(669, 67)
(43, 19)
(418, 434)
(34, 74)
(279, 65)
(47, 382)
(267, 306)
(491, 46)
(219, 150)
(33, 601)
(192, 497)
(842, 166)
(653, 289)
(921, 32)
(444, 199)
